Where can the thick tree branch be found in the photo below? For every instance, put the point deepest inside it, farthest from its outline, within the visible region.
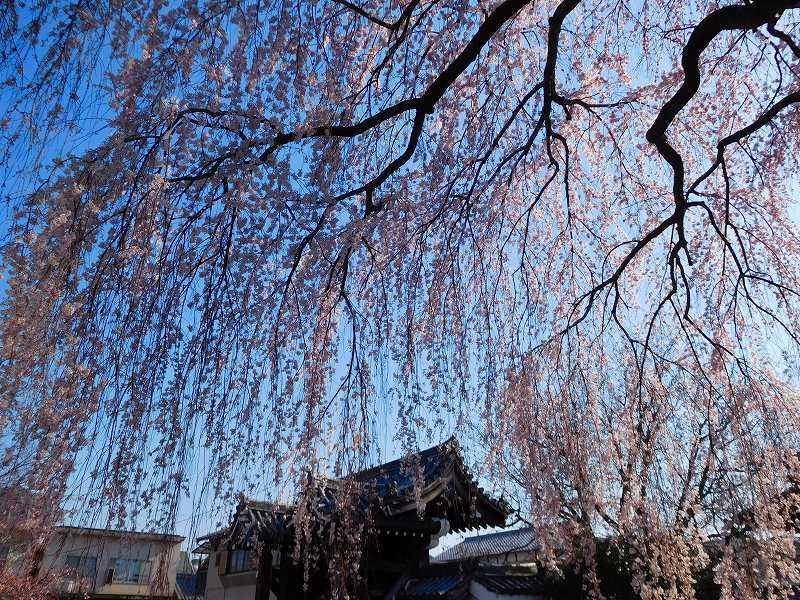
(728, 18)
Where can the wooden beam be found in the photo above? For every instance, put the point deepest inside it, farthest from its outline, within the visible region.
(264, 576)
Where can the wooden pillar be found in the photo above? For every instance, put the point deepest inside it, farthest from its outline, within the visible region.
(264, 575)
(288, 584)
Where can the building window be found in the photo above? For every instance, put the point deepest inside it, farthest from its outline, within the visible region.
(131, 571)
(80, 567)
(240, 560)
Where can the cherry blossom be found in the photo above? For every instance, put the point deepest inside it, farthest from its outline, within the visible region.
(248, 238)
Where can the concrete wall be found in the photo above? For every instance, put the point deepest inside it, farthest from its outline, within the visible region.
(106, 547)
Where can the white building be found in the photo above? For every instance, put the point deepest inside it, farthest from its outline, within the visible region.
(106, 563)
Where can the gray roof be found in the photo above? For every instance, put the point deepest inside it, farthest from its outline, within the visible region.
(119, 533)
(451, 581)
(452, 586)
(511, 585)
(490, 544)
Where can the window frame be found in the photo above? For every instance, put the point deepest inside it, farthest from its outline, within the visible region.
(143, 571)
(79, 571)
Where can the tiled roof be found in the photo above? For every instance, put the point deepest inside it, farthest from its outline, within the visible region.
(395, 476)
(437, 474)
(490, 544)
(432, 471)
(272, 520)
(452, 587)
(451, 581)
(510, 584)
(435, 477)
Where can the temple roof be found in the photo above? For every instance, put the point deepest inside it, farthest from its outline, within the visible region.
(252, 517)
(406, 494)
(436, 476)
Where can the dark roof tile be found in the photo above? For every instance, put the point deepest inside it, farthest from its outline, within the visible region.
(490, 545)
(511, 584)
(453, 586)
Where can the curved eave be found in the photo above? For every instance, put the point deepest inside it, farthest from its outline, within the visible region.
(466, 505)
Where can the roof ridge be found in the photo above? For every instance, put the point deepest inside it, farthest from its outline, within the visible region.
(490, 544)
(450, 444)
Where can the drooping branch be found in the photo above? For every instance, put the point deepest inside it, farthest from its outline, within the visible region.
(221, 240)
(785, 38)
